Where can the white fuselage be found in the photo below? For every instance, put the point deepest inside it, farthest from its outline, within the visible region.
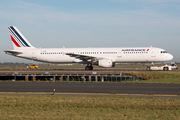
(103, 57)
(117, 55)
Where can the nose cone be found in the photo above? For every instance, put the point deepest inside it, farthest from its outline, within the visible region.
(169, 57)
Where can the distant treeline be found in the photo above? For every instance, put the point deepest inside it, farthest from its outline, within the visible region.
(13, 64)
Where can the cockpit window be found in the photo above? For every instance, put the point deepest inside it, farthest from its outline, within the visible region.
(163, 51)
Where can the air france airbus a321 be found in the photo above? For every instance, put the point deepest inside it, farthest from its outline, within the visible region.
(103, 57)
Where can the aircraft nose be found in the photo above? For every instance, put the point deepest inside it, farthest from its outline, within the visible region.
(170, 57)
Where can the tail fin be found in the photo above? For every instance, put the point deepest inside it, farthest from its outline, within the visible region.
(19, 41)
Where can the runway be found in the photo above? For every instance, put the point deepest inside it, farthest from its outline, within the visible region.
(100, 88)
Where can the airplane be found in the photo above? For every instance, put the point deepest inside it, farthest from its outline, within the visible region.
(102, 57)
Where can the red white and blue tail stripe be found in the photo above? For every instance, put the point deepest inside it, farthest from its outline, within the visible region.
(19, 41)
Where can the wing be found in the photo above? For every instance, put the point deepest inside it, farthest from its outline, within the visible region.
(84, 57)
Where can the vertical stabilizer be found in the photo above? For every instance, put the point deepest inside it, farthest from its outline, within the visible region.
(18, 40)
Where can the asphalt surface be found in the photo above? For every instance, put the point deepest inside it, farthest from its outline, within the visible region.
(113, 88)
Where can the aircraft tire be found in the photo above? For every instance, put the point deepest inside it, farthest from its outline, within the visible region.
(86, 68)
(89, 68)
(148, 68)
(165, 69)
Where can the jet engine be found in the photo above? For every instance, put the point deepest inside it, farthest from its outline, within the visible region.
(106, 63)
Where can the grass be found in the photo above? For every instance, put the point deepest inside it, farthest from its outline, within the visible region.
(87, 107)
(165, 77)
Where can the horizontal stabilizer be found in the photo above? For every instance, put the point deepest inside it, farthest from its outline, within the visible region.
(13, 52)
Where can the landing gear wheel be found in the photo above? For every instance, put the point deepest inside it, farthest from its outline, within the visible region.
(165, 68)
(148, 68)
(89, 68)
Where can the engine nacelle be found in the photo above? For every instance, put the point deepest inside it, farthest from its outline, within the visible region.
(106, 63)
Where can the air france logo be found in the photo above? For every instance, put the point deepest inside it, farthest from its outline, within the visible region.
(135, 49)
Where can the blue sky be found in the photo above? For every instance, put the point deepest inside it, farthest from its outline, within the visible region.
(92, 23)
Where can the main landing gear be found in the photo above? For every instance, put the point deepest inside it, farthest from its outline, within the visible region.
(89, 67)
